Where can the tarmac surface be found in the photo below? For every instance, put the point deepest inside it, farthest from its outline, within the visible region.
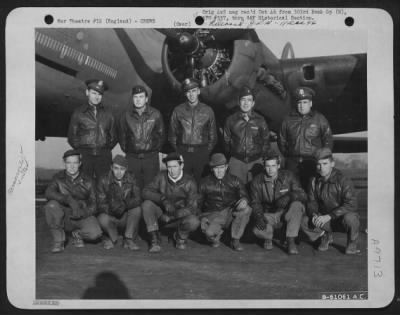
(201, 272)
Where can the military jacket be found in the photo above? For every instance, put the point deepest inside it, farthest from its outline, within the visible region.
(246, 140)
(193, 126)
(141, 133)
(216, 195)
(81, 189)
(303, 135)
(335, 196)
(96, 132)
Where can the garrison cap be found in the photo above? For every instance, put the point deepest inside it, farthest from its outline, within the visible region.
(189, 84)
(173, 156)
(71, 153)
(271, 154)
(97, 85)
(120, 160)
(322, 153)
(244, 91)
(304, 92)
(137, 89)
(217, 159)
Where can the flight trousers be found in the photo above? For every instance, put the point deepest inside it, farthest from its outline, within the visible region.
(129, 222)
(58, 218)
(350, 222)
(292, 217)
(184, 225)
(144, 166)
(214, 223)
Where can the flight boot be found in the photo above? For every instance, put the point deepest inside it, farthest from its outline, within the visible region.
(235, 244)
(179, 243)
(268, 245)
(326, 239)
(292, 248)
(352, 247)
(77, 241)
(155, 242)
(58, 247)
(130, 244)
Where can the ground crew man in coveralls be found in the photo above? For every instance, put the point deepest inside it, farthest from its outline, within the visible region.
(141, 136)
(192, 130)
(171, 198)
(71, 204)
(224, 202)
(276, 196)
(302, 132)
(246, 137)
(332, 204)
(92, 131)
(119, 203)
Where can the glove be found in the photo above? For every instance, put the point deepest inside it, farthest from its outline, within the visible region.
(260, 221)
(284, 201)
(168, 206)
(74, 205)
(241, 205)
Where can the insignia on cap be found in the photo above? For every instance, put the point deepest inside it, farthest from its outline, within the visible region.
(301, 91)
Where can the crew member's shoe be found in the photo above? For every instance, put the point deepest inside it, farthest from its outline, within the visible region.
(179, 244)
(268, 245)
(155, 242)
(108, 244)
(130, 244)
(235, 244)
(326, 239)
(58, 247)
(215, 244)
(77, 240)
(292, 248)
(352, 248)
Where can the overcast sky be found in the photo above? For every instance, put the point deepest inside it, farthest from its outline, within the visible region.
(305, 44)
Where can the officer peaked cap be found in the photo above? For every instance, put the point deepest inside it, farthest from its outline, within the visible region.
(189, 84)
(304, 92)
(97, 85)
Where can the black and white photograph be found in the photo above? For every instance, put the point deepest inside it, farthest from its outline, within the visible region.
(225, 163)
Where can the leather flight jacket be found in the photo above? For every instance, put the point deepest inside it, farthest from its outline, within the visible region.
(81, 189)
(182, 194)
(193, 126)
(90, 132)
(301, 136)
(335, 196)
(284, 190)
(113, 198)
(141, 134)
(246, 140)
(216, 195)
